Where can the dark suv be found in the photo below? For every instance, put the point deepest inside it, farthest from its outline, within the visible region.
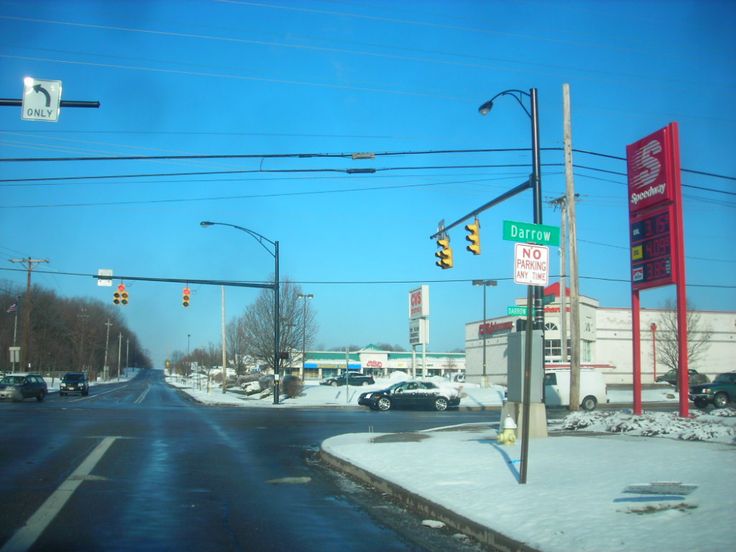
(17, 387)
(74, 382)
(720, 391)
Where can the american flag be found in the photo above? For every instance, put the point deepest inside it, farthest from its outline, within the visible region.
(12, 308)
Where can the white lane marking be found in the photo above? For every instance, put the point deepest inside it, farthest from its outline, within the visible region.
(27, 535)
(142, 396)
(97, 394)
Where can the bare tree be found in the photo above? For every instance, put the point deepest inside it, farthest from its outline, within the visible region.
(257, 325)
(698, 336)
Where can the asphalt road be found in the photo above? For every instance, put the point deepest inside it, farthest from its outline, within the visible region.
(139, 466)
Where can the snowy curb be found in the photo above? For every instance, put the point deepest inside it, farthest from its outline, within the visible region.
(488, 537)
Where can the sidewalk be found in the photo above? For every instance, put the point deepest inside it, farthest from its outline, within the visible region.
(576, 493)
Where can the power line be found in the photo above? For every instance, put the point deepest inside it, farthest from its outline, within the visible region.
(256, 283)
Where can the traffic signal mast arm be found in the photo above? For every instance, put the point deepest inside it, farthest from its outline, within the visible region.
(503, 197)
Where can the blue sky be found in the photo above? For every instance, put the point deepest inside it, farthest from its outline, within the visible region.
(219, 78)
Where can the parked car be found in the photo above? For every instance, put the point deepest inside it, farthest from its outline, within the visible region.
(411, 394)
(17, 387)
(695, 377)
(557, 388)
(719, 392)
(353, 379)
(74, 382)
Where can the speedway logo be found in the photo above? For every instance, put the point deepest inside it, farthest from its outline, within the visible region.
(650, 192)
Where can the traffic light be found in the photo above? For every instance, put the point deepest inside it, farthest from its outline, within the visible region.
(473, 237)
(120, 296)
(445, 253)
(185, 297)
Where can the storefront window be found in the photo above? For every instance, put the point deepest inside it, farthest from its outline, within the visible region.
(553, 350)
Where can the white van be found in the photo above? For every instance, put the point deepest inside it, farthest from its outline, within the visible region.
(557, 388)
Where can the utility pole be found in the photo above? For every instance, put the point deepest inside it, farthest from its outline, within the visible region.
(107, 344)
(574, 284)
(27, 308)
(224, 342)
(120, 344)
(127, 352)
(561, 202)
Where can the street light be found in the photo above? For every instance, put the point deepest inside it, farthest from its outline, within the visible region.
(536, 176)
(485, 284)
(263, 240)
(304, 296)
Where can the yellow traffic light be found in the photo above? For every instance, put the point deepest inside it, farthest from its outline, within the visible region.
(444, 254)
(473, 237)
(185, 295)
(120, 296)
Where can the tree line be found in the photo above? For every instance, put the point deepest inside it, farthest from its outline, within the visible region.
(250, 335)
(67, 333)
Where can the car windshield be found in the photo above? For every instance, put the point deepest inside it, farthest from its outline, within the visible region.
(12, 380)
(73, 377)
(724, 378)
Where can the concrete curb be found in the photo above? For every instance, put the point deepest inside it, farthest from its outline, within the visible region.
(491, 539)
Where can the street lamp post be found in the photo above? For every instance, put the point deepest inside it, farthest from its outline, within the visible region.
(485, 284)
(304, 296)
(277, 323)
(534, 293)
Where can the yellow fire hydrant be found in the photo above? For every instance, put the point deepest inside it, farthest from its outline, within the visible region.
(508, 432)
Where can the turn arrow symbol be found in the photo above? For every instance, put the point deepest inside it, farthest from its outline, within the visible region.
(39, 88)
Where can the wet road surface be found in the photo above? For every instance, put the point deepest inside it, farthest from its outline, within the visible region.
(139, 466)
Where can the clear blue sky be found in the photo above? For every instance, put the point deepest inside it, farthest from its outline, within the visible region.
(185, 77)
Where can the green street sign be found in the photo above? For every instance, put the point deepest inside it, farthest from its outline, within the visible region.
(516, 310)
(531, 233)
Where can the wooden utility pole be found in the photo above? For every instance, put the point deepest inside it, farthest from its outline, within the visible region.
(561, 202)
(27, 308)
(574, 284)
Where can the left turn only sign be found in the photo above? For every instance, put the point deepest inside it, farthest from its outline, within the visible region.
(41, 99)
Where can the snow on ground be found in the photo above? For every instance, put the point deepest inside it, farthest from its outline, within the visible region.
(579, 493)
(576, 494)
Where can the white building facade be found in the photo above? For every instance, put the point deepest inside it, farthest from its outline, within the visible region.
(606, 341)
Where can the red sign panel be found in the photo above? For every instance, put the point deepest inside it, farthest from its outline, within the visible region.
(652, 178)
(654, 196)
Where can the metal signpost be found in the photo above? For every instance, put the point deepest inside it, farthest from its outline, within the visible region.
(531, 268)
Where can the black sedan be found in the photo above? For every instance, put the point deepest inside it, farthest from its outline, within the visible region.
(353, 379)
(411, 394)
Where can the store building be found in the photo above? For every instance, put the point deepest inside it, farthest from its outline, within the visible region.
(606, 341)
(378, 363)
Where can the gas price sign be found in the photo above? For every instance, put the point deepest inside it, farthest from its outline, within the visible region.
(652, 244)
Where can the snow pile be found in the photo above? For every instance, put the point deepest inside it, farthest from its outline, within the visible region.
(720, 425)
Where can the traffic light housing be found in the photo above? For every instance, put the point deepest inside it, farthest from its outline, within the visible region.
(445, 253)
(185, 296)
(473, 237)
(120, 297)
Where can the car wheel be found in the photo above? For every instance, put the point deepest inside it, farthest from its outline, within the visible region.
(720, 400)
(700, 403)
(589, 403)
(40, 396)
(440, 404)
(61, 394)
(85, 393)
(384, 403)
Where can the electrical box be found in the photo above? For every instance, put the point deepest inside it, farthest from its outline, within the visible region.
(516, 356)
